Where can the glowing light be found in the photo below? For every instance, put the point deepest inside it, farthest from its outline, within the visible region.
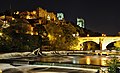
(103, 61)
(28, 17)
(31, 28)
(76, 60)
(88, 35)
(0, 71)
(31, 33)
(103, 34)
(13, 18)
(77, 34)
(5, 24)
(1, 34)
(48, 17)
(51, 37)
(87, 60)
(73, 35)
(59, 35)
(2, 17)
(17, 12)
(34, 12)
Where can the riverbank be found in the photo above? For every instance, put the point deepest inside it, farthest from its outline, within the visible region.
(7, 68)
(14, 55)
(60, 59)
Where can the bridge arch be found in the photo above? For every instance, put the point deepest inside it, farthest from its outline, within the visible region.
(109, 40)
(91, 45)
(86, 39)
(112, 45)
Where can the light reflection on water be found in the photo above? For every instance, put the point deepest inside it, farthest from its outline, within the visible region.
(89, 60)
(93, 60)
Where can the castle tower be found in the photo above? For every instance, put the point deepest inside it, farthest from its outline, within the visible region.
(60, 16)
(80, 22)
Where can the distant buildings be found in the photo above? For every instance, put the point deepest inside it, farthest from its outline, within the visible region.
(35, 17)
(38, 13)
(29, 19)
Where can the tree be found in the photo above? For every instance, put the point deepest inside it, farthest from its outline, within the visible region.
(20, 41)
(113, 65)
(60, 36)
(5, 42)
(54, 34)
(70, 40)
(41, 33)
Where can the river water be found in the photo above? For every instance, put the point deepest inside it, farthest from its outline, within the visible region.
(99, 60)
(85, 60)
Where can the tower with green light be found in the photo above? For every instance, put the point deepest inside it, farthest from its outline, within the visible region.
(80, 22)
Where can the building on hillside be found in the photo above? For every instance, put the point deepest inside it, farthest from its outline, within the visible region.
(80, 22)
(60, 16)
(44, 14)
(38, 13)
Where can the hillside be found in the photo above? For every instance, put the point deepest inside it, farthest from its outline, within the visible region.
(28, 30)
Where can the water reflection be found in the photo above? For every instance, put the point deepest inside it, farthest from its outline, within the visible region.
(89, 60)
(93, 60)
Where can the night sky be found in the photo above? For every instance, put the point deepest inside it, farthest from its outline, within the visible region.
(100, 15)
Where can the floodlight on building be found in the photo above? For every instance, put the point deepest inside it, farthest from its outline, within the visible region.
(34, 12)
(1, 33)
(5, 24)
(48, 17)
(17, 12)
(28, 17)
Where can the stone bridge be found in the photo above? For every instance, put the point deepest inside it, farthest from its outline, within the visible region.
(102, 41)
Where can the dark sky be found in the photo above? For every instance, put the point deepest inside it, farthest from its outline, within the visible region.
(100, 15)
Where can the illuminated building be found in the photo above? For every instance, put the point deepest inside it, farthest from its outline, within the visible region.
(5, 24)
(44, 14)
(38, 13)
(60, 16)
(80, 22)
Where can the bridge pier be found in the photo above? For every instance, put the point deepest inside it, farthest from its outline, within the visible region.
(100, 43)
